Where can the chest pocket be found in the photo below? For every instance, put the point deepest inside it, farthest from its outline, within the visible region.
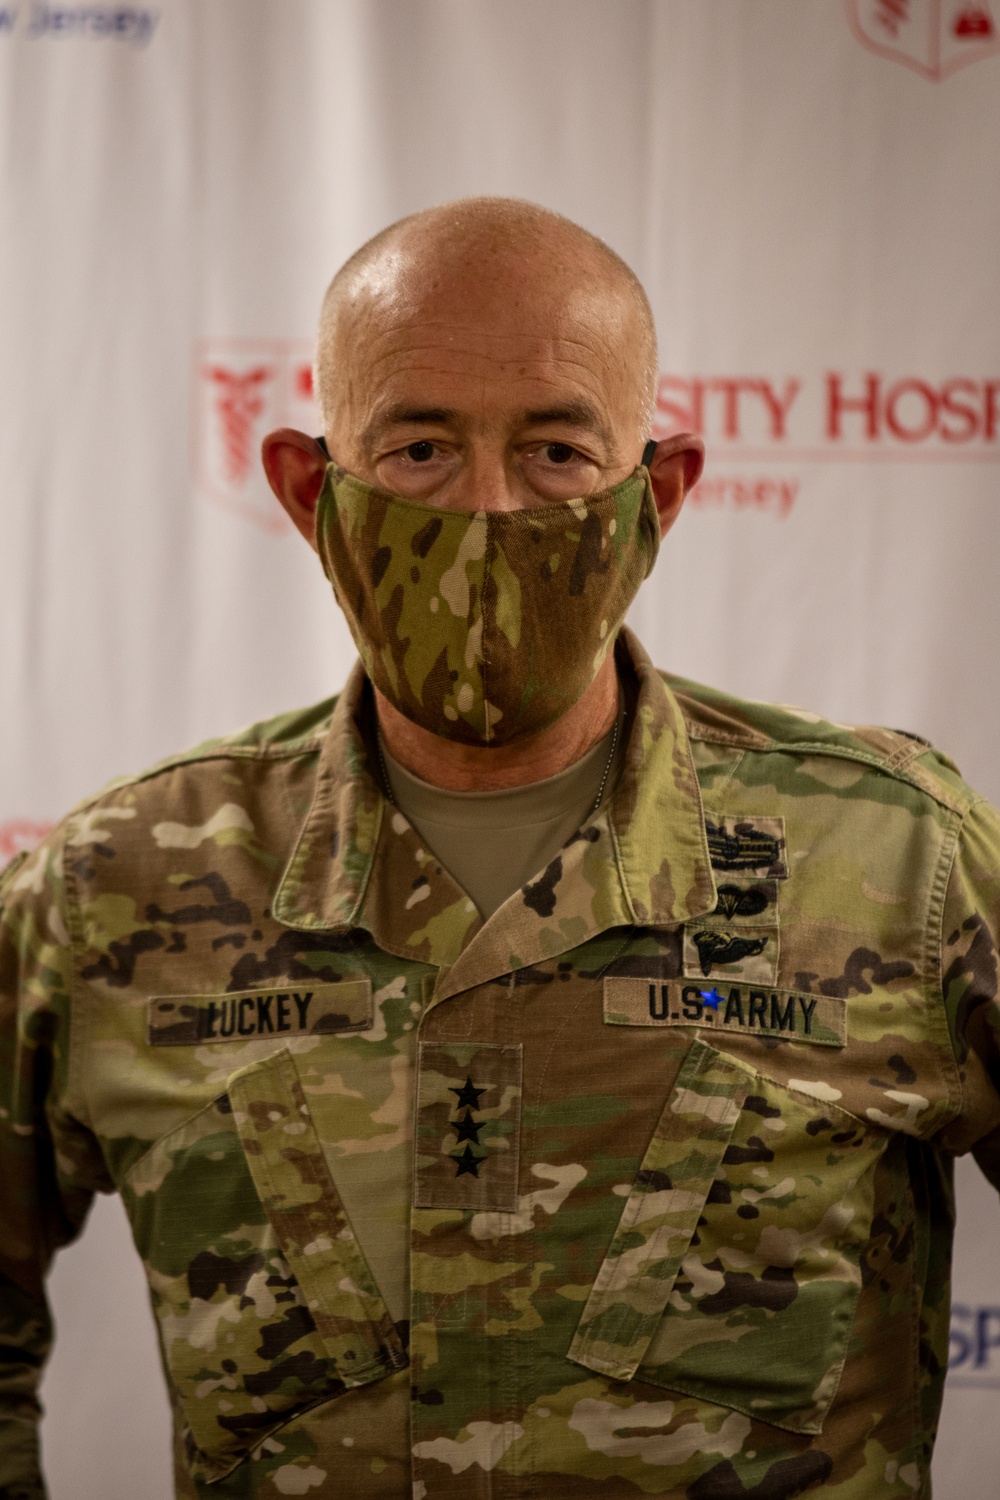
(734, 1273)
(264, 1299)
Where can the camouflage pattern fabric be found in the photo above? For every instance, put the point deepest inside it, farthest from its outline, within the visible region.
(483, 625)
(640, 1188)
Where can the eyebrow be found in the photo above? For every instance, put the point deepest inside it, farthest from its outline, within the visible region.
(418, 416)
(573, 414)
(578, 414)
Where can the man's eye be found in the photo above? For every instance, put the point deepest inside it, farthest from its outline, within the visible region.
(420, 452)
(559, 453)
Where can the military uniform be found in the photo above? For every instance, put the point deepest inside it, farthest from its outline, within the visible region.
(642, 1187)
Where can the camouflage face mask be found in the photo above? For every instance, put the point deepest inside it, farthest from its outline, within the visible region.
(484, 625)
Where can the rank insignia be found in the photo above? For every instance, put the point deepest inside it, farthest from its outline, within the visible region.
(467, 1162)
(468, 1122)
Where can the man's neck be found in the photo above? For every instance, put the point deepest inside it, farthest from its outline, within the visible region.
(478, 768)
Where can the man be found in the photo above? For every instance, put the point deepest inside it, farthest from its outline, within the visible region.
(527, 1075)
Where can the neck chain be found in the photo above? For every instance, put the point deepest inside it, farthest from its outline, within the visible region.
(387, 784)
(607, 769)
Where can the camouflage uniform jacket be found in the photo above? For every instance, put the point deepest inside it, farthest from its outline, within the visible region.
(642, 1187)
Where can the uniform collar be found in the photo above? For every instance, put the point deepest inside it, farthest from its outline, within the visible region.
(656, 813)
(325, 879)
(641, 861)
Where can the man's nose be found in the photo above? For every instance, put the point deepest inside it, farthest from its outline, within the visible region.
(486, 481)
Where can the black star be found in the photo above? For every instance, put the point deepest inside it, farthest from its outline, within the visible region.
(466, 1128)
(467, 1162)
(468, 1097)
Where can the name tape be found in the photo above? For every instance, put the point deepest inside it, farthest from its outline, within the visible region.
(738, 1009)
(194, 1020)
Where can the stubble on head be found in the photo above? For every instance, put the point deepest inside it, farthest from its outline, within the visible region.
(477, 293)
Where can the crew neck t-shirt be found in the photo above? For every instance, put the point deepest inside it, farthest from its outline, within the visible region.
(492, 843)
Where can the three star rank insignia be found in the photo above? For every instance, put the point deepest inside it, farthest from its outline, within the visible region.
(468, 1125)
(467, 1128)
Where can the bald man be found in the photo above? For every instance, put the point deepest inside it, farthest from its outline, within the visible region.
(526, 1075)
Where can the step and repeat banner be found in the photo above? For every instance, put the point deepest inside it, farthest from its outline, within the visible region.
(811, 194)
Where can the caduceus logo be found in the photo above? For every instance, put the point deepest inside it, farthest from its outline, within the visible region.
(239, 405)
(932, 37)
(243, 388)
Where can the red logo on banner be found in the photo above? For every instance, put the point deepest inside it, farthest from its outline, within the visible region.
(243, 389)
(933, 37)
(20, 834)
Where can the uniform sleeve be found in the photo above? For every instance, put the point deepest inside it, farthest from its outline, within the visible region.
(969, 970)
(50, 1163)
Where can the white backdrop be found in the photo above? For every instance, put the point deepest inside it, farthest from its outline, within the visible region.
(811, 193)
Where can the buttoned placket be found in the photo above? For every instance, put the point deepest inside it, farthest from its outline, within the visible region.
(641, 862)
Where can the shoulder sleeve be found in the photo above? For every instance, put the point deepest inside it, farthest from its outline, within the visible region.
(50, 1163)
(970, 940)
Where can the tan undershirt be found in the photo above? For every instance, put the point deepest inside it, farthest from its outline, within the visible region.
(492, 843)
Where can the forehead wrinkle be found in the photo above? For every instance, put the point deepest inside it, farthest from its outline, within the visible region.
(392, 369)
(536, 399)
(403, 339)
(582, 314)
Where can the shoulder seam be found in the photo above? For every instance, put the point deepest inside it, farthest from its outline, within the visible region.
(909, 751)
(747, 739)
(291, 751)
(900, 767)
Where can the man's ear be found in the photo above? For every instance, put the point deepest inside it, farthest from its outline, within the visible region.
(674, 469)
(295, 466)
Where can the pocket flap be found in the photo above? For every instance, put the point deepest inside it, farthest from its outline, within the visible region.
(297, 1192)
(264, 1300)
(661, 1213)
